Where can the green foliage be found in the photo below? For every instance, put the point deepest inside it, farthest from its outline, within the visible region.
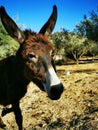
(59, 39)
(76, 47)
(8, 46)
(73, 45)
(92, 48)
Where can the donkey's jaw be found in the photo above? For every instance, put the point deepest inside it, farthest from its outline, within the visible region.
(53, 86)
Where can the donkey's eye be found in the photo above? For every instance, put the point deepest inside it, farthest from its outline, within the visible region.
(31, 56)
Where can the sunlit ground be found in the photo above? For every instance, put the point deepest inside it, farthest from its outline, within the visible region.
(77, 109)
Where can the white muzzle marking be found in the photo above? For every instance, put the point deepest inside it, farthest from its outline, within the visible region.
(51, 79)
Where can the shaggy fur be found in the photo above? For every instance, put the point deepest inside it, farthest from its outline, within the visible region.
(31, 63)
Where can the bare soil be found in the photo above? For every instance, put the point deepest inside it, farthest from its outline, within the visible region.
(77, 109)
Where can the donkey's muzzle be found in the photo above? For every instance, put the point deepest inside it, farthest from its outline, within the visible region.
(56, 91)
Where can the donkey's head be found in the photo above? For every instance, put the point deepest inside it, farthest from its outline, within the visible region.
(35, 54)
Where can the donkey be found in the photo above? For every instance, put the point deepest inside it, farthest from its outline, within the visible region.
(32, 62)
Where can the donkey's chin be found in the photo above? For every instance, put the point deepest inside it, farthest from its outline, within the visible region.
(56, 97)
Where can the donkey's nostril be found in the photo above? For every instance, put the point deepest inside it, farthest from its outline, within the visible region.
(56, 91)
(57, 88)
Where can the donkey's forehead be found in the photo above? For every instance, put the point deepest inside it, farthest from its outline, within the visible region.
(38, 38)
(35, 40)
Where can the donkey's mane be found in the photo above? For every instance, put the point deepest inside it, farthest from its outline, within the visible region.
(32, 36)
(28, 32)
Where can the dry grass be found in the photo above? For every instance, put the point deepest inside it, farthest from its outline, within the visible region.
(77, 109)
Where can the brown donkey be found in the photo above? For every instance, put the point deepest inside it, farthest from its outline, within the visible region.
(33, 62)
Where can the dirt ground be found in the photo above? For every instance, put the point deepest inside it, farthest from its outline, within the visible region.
(77, 109)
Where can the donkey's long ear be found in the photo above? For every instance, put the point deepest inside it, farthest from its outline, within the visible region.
(49, 25)
(11, 26)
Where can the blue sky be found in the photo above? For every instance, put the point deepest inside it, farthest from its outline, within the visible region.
(34, 13)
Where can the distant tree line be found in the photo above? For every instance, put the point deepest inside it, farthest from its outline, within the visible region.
(82, 41)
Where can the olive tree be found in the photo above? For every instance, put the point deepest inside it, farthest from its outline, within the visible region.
(76, 47)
